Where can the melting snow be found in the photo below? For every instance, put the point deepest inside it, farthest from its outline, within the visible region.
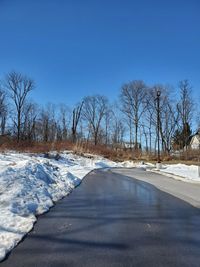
(29, 186)
(187, 173)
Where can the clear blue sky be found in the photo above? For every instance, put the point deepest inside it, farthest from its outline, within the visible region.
(74, 48)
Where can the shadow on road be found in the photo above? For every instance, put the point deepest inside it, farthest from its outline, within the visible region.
(113, 220)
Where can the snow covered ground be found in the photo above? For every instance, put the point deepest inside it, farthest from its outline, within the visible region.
(29, 186)
(184, 172)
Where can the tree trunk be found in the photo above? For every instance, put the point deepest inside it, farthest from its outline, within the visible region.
(95, 138)
(18, 126)
(136, 136)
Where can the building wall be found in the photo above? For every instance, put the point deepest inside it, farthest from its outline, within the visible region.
(195, 142)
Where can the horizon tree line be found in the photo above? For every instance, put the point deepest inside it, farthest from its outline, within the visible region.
(131, 122)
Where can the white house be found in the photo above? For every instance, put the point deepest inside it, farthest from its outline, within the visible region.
(195, 141)
(131, 145)
(128, 145)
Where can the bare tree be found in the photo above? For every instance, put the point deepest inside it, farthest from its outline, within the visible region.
(18, 87)
(76, 115)
(133, 103)
(118, 130)
(107, 121)
(168, 117)
(3, 111)
(94, 110)
(169, 120)
(43, 126)
(198, 120)
(29, 121)
(64, 120)
(47, 126)
(185, 109)
(147, 124)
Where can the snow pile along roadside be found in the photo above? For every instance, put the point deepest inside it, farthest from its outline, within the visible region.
(29, 186)
(132, 164)
(184, 172)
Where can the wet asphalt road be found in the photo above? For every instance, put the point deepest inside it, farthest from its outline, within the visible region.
(113, 220)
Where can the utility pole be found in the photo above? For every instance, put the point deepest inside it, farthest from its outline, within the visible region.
(158, 124)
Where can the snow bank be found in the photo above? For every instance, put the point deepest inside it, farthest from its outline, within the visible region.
(132, 164)
(186, 173)
(29, 186)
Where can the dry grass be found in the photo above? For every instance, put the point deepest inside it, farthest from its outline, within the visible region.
(116, 154)
(35, 147)
(187, 157)
(78, 148)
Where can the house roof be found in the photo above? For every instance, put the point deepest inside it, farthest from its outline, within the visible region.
(198, 134)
